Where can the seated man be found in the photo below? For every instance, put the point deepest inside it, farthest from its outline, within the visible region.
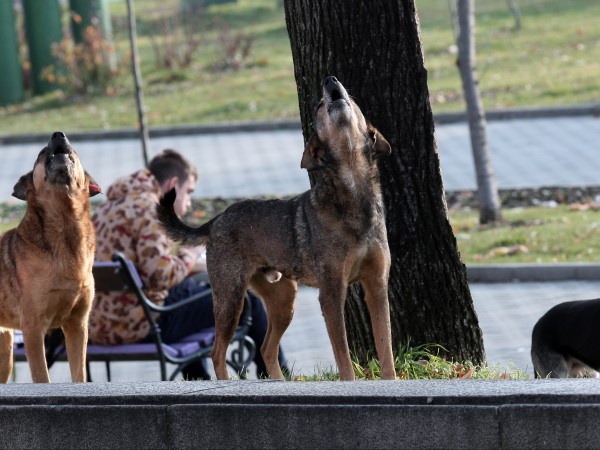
(127, 223)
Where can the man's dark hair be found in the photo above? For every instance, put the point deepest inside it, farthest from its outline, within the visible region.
(170, 163)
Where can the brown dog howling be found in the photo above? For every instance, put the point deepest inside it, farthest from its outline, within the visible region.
(329, 237)
(46, 262)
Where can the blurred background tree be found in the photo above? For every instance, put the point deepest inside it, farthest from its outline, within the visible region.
(552, 61)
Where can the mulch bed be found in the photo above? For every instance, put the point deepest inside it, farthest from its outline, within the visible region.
(526, 197)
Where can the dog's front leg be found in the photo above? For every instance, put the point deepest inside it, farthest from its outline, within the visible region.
(33, 338)
(376, 298)
(76, 337)
(6, 354)
(332, 296)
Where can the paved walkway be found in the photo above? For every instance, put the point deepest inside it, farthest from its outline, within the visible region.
(506, 311)
(528, 152)
(531, 152)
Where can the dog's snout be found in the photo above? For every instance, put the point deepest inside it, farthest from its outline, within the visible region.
(333, 89)
(330, 81)
(59, 143)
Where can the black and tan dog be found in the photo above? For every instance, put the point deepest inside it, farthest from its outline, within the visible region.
(566, 341)
(328, 237)
(46, 262)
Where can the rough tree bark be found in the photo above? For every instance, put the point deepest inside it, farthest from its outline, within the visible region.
(487, 190)
(373, 47)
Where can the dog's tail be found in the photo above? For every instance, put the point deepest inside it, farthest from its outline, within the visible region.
(175, 228)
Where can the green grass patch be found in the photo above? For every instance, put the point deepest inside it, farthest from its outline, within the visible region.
(530, 235)
(566, 233)
(553, 60)
(421, 363)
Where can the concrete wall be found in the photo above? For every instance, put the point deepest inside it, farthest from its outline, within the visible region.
(267, 414)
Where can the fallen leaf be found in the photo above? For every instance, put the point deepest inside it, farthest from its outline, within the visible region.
(468, 374)
(507, 251)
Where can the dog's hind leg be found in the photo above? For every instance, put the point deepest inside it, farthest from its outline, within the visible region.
(6, 354)
(279, 299)
(548, 363)
(228, 296)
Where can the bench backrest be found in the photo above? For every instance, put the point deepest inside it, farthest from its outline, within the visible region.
(109, 276)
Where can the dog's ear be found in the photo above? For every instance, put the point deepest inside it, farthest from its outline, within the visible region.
(93, 187)
(379, 144)
(23, 185)
(314, 154)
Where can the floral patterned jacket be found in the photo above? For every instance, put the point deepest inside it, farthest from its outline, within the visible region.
(127, 223)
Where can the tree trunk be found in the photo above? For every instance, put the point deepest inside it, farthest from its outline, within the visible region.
(489, 201)
(373, 47)
(516, 12)
(137, 79)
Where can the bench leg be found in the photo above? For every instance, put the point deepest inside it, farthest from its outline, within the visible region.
(108, 377)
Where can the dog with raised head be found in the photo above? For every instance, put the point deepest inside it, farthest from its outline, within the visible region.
(328, 237)
(565, 341)
(46, 262)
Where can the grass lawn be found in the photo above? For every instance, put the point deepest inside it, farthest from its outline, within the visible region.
(532, 235)
(566, 233)
(422, 363)
(553, 60)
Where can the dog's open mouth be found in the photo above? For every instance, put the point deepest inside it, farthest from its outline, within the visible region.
(61, 155)
(333, 90)
(338, 105)
(62, 151)
(59, 149)
(60, 159)
(336, 94)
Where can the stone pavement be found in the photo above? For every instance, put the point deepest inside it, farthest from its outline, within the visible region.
(506, 311)
(527, 152)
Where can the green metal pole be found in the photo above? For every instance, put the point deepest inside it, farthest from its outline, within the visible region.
(11, 79)
(44, 28)
(89, 12)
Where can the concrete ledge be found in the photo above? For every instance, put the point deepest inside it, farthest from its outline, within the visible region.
(266, 414)
(506, 273)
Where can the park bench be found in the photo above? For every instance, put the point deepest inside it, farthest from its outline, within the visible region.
(121, 275)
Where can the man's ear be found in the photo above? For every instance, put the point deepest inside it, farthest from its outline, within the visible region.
(93, 188)
(170, 183)
(23, 185)
(378, 143)
(314, 154)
